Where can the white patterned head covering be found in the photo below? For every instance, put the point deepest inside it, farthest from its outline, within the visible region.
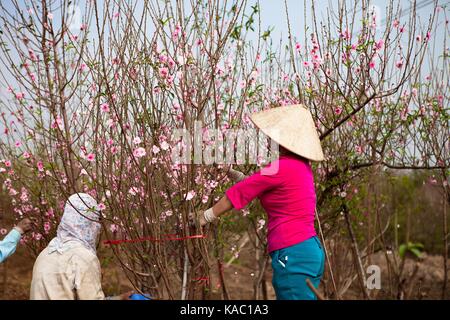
(79, 224)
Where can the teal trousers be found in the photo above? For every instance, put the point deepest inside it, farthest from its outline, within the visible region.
(293, 265)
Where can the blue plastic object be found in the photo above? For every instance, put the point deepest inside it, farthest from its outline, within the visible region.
(137, 296)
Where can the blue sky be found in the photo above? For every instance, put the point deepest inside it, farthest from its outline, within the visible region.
(273, 15)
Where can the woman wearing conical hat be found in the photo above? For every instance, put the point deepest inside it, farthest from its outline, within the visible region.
(287, 195)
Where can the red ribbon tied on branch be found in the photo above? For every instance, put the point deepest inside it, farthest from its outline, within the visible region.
(168, 237)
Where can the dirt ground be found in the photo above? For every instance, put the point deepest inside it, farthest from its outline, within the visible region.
(16, 273)
(15, 277)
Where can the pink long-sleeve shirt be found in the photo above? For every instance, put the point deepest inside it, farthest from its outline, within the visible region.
(288, 197)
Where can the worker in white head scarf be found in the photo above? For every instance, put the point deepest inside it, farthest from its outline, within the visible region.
(79, 225)
(68, 269)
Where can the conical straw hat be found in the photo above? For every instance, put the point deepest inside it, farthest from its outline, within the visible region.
(293, 128)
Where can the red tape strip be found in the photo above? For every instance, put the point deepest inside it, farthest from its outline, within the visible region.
(170, 237)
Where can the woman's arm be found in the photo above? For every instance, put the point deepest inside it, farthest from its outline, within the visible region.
(222, 206)
(235, 175)
(239, 195)
(9, 244)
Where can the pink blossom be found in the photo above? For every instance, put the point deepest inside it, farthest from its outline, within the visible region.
(155, 149)
(298, 46)
(168, 213)
(24, 195)
(114, 228)
(33, 56)
(116, 61)
(338, 110)
(162, 58)
(101, 206)
(90, 157)
(133, 191)
(139, 152)
(346, 35)
(7, 163)
(404, 114)
(104, 107)
(379, 44)
(261, 223)
(164, 145)
(113, 150)
(163, 72)
(57, 123)
(190, 195)
(47, 227)
(418, 38)
(82, 67)
(3, 231)
(137, 140)
(18, 144)
(219, 71)
(170, 80)
(20, 96)
(40, 166)
(180, 60)
(371, 64)
(176, 32)
(399, 64)
(50, 16)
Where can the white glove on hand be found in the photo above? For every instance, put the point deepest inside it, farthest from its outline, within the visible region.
(207, 216)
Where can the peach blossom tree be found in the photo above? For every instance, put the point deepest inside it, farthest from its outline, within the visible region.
(92, 105)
